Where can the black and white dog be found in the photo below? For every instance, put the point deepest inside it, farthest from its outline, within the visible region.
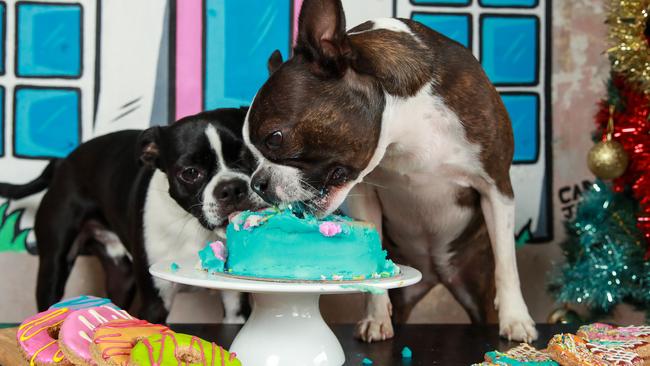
(408, 120)
(138, 197)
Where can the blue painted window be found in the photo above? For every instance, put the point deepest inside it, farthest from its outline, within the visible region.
(441, 2)
(454, 26)
(509, 3)
(48, 40)
(240, 37)
(523, 109)
(509, 49)
(3, 36)
(46, 122)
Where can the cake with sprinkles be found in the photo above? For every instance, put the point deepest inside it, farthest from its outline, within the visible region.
(285, 244)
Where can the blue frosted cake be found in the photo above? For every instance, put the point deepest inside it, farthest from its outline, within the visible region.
(281, 244)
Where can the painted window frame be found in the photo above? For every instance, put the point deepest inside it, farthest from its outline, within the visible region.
(86, 83)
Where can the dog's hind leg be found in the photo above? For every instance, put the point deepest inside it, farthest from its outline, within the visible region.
(56, 226)
(469, 276)
(116, 261)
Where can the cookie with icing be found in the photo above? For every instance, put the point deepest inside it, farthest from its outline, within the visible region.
(572, 350)
(83, 302)
(615, 355)
(639, 346)
(169, 349)
(522, 355)
(78, 329)
(113, 341)
(610, 332)
(37, 338)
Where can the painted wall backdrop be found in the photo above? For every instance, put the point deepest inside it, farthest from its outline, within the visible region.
(71, 70)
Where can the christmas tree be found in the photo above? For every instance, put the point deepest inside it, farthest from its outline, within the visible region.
(608, 241)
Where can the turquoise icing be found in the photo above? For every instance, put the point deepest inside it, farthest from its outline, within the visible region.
(209, 261)
(503, 359)
(407, 353)
(83, 302)
(366, 361)
(279, 244)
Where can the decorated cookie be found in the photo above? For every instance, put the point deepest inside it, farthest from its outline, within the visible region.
(615, 355)
(82, 302)
(37, 338)
(180, 349)
(610, 332)
(78, 329)
(639, 346)
(572, 350)
(524, 354)
(113, 341)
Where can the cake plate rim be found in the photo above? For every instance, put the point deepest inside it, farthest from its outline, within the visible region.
(188, 274)
(289, 311)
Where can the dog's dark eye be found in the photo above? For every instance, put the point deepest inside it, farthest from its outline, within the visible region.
(190, 175)
(274, 140)
(338, 175)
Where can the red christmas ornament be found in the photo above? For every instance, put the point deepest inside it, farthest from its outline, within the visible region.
(632, 130)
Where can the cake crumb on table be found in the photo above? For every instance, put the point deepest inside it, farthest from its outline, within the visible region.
(406, 352)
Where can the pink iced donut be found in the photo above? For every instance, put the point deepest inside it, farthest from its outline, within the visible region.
(37, 338)
(77, 331)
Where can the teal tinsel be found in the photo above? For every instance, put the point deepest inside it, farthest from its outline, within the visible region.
(604, 255)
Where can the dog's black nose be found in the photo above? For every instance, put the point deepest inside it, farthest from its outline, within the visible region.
(260, 184)
(231, 191)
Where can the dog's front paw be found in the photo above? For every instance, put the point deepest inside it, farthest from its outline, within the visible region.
(371, 330)
(517, 327)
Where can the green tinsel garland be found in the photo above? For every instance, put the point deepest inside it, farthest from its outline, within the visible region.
(604, 254)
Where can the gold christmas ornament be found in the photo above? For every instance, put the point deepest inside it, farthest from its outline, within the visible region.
(563, 315)
(630, 51)
(608, 159)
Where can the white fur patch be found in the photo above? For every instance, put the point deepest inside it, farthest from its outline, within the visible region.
(170, 232)
(114, 247)
(390, 24)
(231, 307)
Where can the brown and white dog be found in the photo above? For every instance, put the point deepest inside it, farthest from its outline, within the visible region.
(406, 120)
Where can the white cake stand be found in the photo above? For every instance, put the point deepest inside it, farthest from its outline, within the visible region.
(286, 327)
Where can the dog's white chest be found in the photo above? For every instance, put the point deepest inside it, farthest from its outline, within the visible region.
(420, 176)
(169, 231)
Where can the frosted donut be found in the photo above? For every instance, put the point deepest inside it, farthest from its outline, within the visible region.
(180, 349)
(83, 302)
(78, 329)
(113, 341)
(37, 338)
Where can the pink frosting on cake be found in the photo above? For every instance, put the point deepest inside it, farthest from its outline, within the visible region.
(219, 250)
(37, 343)
(77, 331)
(329, 228)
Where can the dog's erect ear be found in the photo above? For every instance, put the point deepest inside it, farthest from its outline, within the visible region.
(275, 61)
(321, 35)
(148, 152)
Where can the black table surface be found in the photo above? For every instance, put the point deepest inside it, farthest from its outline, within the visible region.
(432, 344)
